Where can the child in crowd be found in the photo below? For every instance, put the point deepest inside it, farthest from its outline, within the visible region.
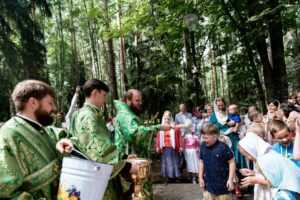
(274, 176)
(215, 158)
(191, 148)
(235, 116)
(258, 129)
(284, 145)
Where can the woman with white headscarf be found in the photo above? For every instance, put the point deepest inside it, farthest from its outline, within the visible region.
(170, 144)
(275, 171)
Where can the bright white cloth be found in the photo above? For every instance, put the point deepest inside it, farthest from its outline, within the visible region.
(162, 138)
(282, 173)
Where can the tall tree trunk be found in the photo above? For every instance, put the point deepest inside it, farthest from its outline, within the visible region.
(276, 40)
(213, 77)
(261, 47)
(245, 40)
(137, 62)
(110, 54)
(75, 65)
(94, 54)
(122, 61)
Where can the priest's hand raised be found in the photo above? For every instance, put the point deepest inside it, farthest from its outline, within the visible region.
(165, 127)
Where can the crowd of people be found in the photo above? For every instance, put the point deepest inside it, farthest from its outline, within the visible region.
(222, 149)
(234, 151)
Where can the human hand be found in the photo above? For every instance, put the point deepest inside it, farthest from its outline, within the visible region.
(131, 156)
(229, 185)
(64, 146)
(246, 172)
(250, 180)
(201, 183)
(180, 149)
(235, 130)
(157, 150)
(231, 123)
(165, 127)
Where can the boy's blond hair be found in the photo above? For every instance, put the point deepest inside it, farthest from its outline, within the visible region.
(233, 106)
(210, 129)
(277, 125)
(258, 129)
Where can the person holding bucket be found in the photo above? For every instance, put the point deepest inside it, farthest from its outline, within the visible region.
(94, 140)
(29, 163)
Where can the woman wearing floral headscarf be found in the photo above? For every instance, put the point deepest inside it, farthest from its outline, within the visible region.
(276, 173)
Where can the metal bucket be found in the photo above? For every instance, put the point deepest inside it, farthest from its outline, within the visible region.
(83, 179)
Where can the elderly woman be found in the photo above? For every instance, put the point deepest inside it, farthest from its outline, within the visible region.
(170, 144)
(275, 177)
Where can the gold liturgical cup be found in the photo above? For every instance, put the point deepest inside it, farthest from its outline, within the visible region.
(139, 179)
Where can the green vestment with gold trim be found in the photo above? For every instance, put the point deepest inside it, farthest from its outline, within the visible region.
(29, 163)
(94, 140)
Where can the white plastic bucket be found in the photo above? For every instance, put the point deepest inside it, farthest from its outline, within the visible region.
(82, 180)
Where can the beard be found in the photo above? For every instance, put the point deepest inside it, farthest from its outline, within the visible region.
(43, 117)
(136, 110)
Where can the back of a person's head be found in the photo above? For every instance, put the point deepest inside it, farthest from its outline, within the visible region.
(258, 129)
(93, 84)
(210, 129)
(253, 114)
(277, 125)
(30, 88)
(129, 94)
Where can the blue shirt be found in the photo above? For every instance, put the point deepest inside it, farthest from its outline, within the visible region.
(216, 167)
(286, 152)
(236, 117)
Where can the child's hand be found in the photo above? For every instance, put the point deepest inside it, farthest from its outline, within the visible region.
(201, 183)
(231, 123)
(235, 130)
(229, 185)
(246, 172)
(250, 180)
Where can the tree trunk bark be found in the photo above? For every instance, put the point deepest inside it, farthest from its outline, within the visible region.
(124, 82)
(74, 45)
(276, 40)
(110, 54)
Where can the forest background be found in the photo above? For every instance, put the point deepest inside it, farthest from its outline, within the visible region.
(172, 50)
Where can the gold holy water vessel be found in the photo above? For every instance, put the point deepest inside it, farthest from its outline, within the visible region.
(144, 166)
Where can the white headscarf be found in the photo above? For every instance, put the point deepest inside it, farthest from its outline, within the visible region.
(255, 145)
(162, 133)
(282, 173)
(221, 116)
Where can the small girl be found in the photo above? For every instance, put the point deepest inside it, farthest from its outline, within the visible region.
(191, 148)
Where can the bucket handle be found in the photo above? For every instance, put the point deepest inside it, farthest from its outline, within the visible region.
(87, 158)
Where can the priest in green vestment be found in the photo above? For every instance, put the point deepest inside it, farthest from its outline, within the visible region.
(94, 140)
(131, 137)
(29, 162)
